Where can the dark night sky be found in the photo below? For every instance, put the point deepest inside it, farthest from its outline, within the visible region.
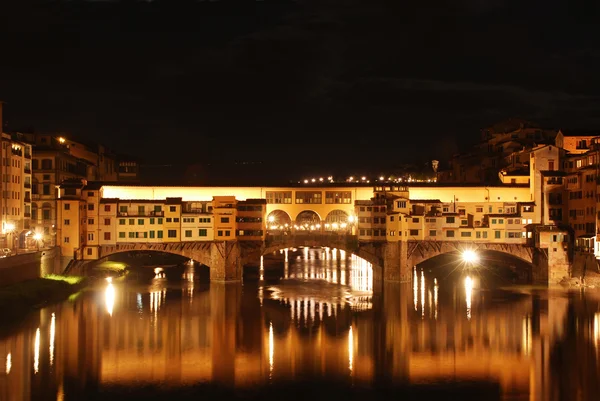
(302, 85)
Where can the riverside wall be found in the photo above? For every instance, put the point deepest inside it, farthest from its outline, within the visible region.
(29, 266)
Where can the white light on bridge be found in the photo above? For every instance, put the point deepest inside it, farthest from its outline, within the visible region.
(470, 256)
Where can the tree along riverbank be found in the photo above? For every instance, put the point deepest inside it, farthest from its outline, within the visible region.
(17, 300)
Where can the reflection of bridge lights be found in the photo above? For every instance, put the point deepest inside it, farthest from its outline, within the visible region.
(415, 289)
(109, 298)
(527, 340)
(8, 363)
(361, 280)
(435, 297)
(52, 334)
(350, 350)
(468, 294)
(36, 351)
(422, 294)
(262, 269)
(271, 349)
(156, 300)
(597, 330)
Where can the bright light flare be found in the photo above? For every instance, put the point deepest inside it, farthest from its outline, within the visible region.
(470, 256)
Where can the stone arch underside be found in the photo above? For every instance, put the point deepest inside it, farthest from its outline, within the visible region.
(420, 251)
(308, 220)
(371, 253)
(198, 251)
(279, 220)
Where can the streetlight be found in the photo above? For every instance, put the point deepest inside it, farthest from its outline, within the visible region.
(470, 257)
(37, 237)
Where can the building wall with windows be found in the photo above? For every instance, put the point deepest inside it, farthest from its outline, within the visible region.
(251, 219)
(72, 228)
(370, 219)
(15, 196)
(225, 212)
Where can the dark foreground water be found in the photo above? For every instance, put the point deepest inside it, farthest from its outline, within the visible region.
(319, 326)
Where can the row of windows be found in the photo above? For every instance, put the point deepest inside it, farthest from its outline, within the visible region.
(312, 197)
(372, 220)
(375, 209)
(202, 232)
(464, 234)
(452, 220)
(374, 233)
(249, 233)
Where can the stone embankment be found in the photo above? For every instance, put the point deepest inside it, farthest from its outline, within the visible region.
(16, 300)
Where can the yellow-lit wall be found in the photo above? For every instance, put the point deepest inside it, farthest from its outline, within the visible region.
(71, 214)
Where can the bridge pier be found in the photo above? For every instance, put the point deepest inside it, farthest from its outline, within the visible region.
(225, 302)
(225, 265)
(224, 259)
(396, 266)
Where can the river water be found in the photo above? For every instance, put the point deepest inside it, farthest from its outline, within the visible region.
(319, 325)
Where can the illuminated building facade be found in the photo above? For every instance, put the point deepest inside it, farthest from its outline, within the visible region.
(54, 158)
(87, 221)
(396, 213)
(15, 161)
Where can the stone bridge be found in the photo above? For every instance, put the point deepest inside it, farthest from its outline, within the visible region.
(397, 259)
(420, 251)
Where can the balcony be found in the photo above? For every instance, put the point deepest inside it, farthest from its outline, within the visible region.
(27, 155)
(27, 215)
(27, 199)
(27, 185)
(27, 170)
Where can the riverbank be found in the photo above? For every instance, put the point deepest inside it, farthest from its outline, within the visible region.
(16, 300)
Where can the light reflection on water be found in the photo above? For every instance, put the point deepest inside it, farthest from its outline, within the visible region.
(329, 317)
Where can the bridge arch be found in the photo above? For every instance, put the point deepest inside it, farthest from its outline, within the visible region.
(420, 251)
(337, 220)
(279, 221)
(197, 254)
(347, 243)
(507, 257)
(224, 258)
(307, 220)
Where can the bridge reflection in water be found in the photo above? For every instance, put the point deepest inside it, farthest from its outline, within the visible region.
(327, 318)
